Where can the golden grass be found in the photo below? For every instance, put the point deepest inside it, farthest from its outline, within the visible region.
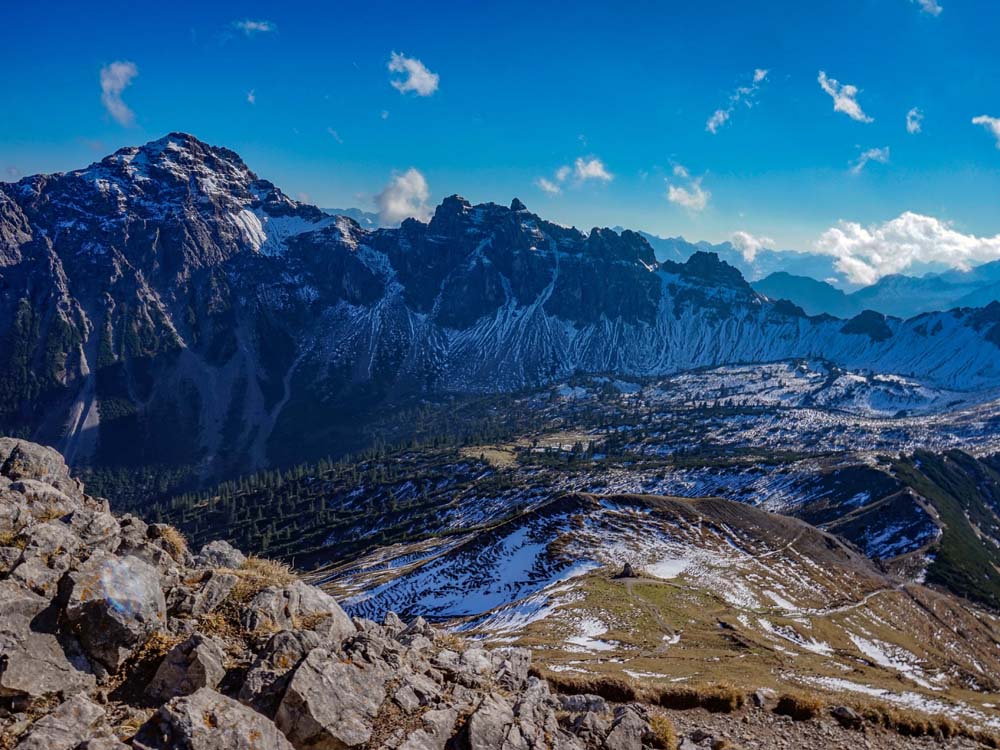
(175, 542)
(664, 734)
(717, 698)
(257, 574)
(12, 539)
(800, 706)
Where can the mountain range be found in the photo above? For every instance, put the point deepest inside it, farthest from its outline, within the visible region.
(169, 285)
(804, 278)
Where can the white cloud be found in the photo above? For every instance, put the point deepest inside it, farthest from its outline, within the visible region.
(115, 78)
(591, 168)
(548, 186)
(251, 97)
(405, 196)
(335, 135)
(990, 123)
(692, 196)
(743, 95)
(417, 78)
(844, 98)
(749, 245)
(583, 169)
(866, 254)
(914, 121)
(881, 155)
(929, 6)
(251, 28)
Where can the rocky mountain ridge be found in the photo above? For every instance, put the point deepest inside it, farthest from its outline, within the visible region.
(168, 285)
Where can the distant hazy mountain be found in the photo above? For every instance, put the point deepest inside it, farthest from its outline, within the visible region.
(765, 262)
(366, 219)
(902, 296)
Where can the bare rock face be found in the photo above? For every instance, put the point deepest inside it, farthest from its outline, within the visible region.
(208, 720)
(76, 721)
(107, 624)
(296, 605)
(196, 663)
(114, 603)
(331, 703)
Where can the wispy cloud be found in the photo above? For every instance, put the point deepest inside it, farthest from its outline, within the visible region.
(548, 186)
(250, 27)
(334, 134)
(416, 77)
(880, 155)
(251, 97)
(990, 123)
(583, 169)
(690, 194)
(115, 78)
(404, 197)
(844, 97)
(866, 254)
(743, 95)
(914, 121)
(929, 6)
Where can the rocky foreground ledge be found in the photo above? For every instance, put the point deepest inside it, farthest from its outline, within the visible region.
(114, 635)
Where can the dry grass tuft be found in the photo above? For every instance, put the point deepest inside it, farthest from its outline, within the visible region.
(612, 689)
(13, 539)
(175, 542)
(718, 698)
(664, 734)
(257, 574)
(800, 706)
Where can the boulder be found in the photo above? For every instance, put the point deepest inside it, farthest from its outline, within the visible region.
(331, 703)
(204, 595)
(77, 720)
(268, 677)
(50, 550)
(114, 603)
(38, 659)
(207, 720)
(190, 665)
(628, 730)
(219, 554)
(437, 729)
(21, 460)
(297, 605)
(490, 725)
(847, 717)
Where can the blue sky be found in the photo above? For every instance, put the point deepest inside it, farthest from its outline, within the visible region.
(523, 89)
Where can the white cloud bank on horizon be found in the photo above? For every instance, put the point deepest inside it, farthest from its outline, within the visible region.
(866, 254)
(416, 77)
(404, 197)
(845, 97)
(115, 78)
(744, 94)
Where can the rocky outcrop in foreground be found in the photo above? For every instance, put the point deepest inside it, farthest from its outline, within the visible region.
(114, 635)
